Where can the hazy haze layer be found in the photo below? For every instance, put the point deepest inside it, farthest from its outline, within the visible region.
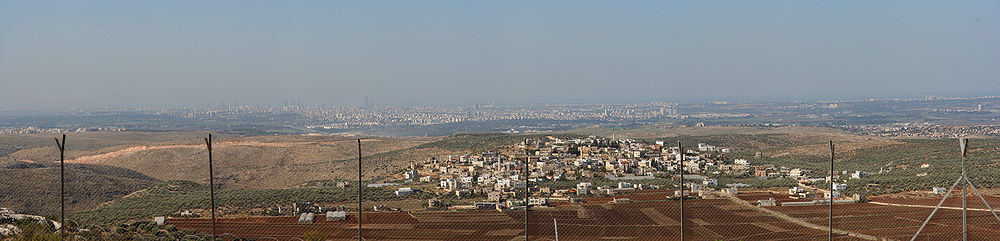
(182, 53)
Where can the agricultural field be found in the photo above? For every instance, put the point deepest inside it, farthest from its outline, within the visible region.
(642, 220)
(898, 223)
(896, 217)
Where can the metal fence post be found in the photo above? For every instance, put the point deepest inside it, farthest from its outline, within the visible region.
(211, 181)
(62, 186)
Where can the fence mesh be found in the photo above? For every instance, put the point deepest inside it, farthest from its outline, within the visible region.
(542, 187)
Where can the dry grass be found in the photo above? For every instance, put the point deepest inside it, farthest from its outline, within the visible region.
(254, 162)
(842, 143)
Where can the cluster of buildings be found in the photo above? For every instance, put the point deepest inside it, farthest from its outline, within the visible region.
(925, 130)
(31, 130)
(555, 169)
(367, 116)
(503, 179)
(319, 117)
(817, 190)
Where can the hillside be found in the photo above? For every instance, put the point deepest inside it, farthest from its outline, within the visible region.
(251, 162)
(171, 197)
(254, 172)
(41, 148)
(105, 166)
(776, 142)
(273, 162)
(34, 188)
(280, 161)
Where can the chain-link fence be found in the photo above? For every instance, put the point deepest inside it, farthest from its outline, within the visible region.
(538, 188)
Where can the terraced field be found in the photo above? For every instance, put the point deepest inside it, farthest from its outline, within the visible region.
(595, 220)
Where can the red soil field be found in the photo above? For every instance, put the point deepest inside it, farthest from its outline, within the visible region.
(652, 220)
(648, 217)
(900, 222)
(926, 199)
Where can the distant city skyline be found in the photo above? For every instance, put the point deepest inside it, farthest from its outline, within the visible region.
(186, 53)
(370, 103)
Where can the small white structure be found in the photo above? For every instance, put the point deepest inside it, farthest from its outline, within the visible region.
(939, 190)
(695, 188)
(858, 175)
(795, 172)
(484, 205)
(412, 174)
(795, 190)
(160, 221)
(836, 194)
(306, 218)
(731, 191)
(336, 216)
(403, 191)
(710, 182)
(770, 202)
(426, 179)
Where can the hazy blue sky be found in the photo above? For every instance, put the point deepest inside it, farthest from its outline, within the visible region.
(99, 53)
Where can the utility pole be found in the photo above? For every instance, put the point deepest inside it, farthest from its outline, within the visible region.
(832, 187)
(62, 186)
(556, 226)
(527, 158)
(964, 147)
(681, 160)
(359, 183)
(211, 181)
(965, 186)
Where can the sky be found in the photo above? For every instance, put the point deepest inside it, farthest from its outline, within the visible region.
(91, 54)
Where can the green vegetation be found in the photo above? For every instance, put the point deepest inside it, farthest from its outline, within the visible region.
(900, 164)
(941, 154)
(314, 236)
(30, 229)
(756, 182)
(12, 144)
(34, 188)
(170, 197)
(139, 230)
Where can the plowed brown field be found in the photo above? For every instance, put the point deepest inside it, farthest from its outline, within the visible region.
(652, 220)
